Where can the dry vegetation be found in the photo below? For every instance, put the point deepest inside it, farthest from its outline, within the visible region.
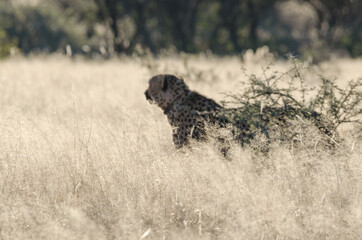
(84, 156)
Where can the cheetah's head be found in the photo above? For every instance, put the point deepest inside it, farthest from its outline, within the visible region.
(165, 89)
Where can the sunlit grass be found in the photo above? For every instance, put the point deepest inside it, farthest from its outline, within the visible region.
(83, 155)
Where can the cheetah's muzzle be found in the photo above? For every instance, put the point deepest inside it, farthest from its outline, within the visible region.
(147, 95)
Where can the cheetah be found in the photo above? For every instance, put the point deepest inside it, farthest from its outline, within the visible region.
(189, 112)
(182, 107)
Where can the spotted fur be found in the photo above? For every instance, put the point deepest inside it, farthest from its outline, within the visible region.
(188, 112)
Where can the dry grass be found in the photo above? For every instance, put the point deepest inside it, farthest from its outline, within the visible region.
(84, 156)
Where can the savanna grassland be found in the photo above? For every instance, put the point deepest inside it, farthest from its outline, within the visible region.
(83, 155)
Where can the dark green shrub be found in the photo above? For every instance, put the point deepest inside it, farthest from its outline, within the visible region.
(282, 101)
(6, 44)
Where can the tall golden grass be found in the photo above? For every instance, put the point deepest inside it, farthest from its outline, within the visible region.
(84, 156)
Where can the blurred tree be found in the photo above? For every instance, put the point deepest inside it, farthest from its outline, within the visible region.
(255, 12)
(179, 17)
(141, 12)
(84, 11)
(42, 27)
(239, 15)
(108, 11)
(6, 44)
(231, 18)
(337, 18)
(223, 26)
(112, 11)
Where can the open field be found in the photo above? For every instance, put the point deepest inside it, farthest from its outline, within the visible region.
(83, 155)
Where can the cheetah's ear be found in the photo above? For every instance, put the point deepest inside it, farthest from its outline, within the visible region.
(165, 84)
(180, 78)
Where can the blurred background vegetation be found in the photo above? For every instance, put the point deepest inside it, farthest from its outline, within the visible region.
(317, 29)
